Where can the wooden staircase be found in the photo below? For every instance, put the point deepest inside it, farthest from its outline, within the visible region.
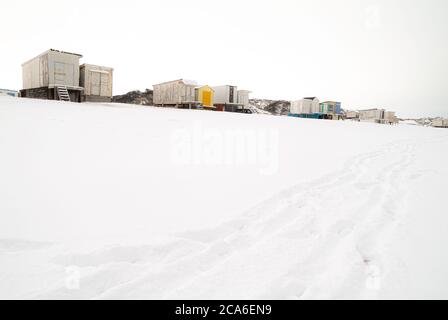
(63, 94)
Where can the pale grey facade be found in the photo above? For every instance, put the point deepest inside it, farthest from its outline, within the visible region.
(50, 69)
(97, 82)
(378, 116)
(178, 93)
(52, 75)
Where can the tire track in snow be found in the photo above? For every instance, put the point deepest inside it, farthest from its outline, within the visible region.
(273, 217)
(260, 222)
(299, 217)
(387, 178)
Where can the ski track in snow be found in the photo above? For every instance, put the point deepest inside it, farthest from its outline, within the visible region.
(306, 241)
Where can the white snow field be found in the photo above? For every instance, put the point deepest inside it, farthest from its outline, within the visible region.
(105, 201)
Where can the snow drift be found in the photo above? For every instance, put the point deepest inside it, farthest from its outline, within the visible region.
(101, 201)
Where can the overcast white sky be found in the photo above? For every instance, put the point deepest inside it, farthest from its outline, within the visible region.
(383, 53)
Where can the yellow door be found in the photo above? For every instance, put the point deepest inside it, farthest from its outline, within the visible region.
(207, 98)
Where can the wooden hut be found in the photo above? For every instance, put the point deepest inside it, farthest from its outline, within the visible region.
(243, 98)
(205, 96)
(178, 93)
(378, 116)
(52, 75)
(97, 82)
(226, 98)
(306, 106)
(440, 123)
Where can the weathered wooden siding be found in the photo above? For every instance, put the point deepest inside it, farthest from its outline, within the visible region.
(351, 115)
(305, 106)
(390, 117)
(32, 74)
(96, 81)
(243, 97)
(437, 123)
(174, 93)
(52, 68)
(373, 115)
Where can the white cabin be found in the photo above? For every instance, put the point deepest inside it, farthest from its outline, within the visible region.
(178, 93)
(226, 95)
(308, 105)
(351, 115)
(440, 123)
(390, 117)
(226, 98)
(378, 116)
(52, 75)
(51, 69)
(97, 82)
(243, 97)
(371, 115)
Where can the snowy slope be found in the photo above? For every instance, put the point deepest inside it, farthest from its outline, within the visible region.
(275, 107)
(94, 205)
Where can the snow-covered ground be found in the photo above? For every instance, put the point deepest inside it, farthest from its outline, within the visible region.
(116, 201)
(410, 122)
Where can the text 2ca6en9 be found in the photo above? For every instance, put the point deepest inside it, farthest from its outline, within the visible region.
(245, 309)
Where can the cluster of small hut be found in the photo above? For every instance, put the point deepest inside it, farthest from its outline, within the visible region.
(188, 94)
(381, 116)
(440, 123)
(311, 107)
(58, 75)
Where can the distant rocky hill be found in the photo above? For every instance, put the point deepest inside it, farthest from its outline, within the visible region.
(136, 97)
(425, 121)
(275, 107)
